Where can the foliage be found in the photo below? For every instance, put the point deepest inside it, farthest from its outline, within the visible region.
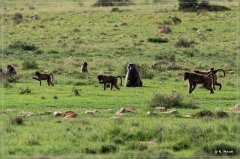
(29, 64)
(184, 43)
(17, 18)
(222, 148)
(24, 90)
(20, 45)
(158, 40)
(108, 3)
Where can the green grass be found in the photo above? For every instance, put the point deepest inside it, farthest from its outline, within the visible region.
(66, 35)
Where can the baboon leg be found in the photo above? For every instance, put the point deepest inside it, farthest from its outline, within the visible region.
(104, 85)
(111, 86)
(128, 84)
(116, 86)
(218, 84)
(190, 88)
(138, 83)
(206, 85)
(194, 86)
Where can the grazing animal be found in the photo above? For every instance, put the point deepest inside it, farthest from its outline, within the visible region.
(41, 76)
(194, 78)
(133, 76)
(10, 71)
(104, 79)
(84, 67)
(214, 75)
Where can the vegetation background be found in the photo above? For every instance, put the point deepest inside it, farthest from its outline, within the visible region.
(67, 33)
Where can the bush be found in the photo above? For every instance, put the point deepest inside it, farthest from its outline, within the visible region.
(29, 64)
(19, 45)
(17, 18)
(184, 43)
(23, 91)
(158, 40)
(168, 101)
(108, 148)
(221, 148)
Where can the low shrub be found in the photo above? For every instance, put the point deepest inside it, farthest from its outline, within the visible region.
(204, 113)
(137, 146)
(180, 146)
(108, 148)
(221, 148)
(184, 43)
(29, 64)
(20, 45)
(158, 40)
(24, 90)
(17, 18)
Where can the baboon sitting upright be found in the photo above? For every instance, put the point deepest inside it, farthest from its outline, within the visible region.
(214, 75)
(133, 76)
(104, 79)
(194, 78)
(84, 67)
(10, 70)
(41, 76)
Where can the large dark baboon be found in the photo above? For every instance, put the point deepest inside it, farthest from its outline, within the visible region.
(41, 76)
(133, 76)
(214, 75)
(10, 70)
(194, 78)
(104, 79)
(84, 67)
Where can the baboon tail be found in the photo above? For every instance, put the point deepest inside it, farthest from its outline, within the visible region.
(215, 71)
(52, 76)
(120, 79)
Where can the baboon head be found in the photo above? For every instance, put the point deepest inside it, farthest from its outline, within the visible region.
(211, 69)
(85, 64)
(186, 76)
(99, 77)
(36, 73)
(131, 67)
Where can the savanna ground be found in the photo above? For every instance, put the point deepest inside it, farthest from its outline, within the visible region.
(67, 34)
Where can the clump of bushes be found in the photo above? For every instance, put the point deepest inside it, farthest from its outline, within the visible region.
(204, 113)
(29, 64)
(174, 100)
(17, 120)
(24, 90)
(184, 43)
(158, 40)
(17, 18)
(20, 45)
(221, 148)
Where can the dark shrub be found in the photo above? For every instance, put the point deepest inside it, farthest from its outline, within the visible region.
(221, 148)
(158, 40)
(29, 64)
(184, 43)
(17, 18)
(17, 120)
(19, 45)
(180, 146)
(222, 114)
(137, 146)
(108, 148)
(204, 113)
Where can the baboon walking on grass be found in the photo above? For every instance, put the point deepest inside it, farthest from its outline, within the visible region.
(41, 76)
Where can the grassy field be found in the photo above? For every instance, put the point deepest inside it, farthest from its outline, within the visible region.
(68, 33)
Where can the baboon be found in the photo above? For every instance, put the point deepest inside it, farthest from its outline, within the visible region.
(10, 70)
(84, 67)
(41, 76)
(194, 78)
(104, 79)
(133, 76)
(214, 75)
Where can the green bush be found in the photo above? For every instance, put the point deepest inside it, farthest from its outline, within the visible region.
(184, 43)
(17, 18)
(24, 90)
(158, 40)
(29, 64)
(165, 100)
(221, 148)
(19, 45)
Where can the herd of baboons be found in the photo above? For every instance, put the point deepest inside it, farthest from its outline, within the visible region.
(133, 79)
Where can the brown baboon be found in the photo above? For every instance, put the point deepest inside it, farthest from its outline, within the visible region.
(10, 70)
(41, 76)
(104, 79)
(84, 67)
(194, 78)
(133, 76)
(214, 75)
